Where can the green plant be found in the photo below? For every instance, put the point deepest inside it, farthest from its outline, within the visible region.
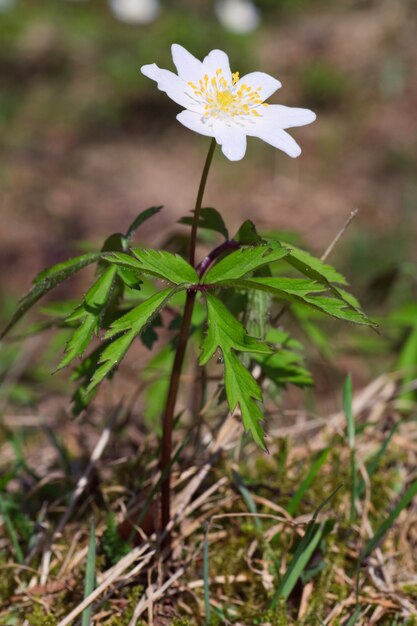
(229, 292)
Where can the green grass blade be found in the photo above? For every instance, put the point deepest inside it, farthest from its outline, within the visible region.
(373, 464)
(351, 432)
(305, 485)
(347, 408)
(252, 508)
(389, 521)
(302, 554)
(12, 532)
(90, 576)
(248, 500)
(301, 558)
(354, 617)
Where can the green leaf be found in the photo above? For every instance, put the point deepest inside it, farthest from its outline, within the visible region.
(319, 337)
(247, 235)
(225, 331)
(303, 291)
(228, 335)
(79, 341)
(243, 261)
(139, 220)
(82, 374)
(67, 268)
(314, 268)
(285, 367)
(159, 263)
(210, 219)
(47, 280)
(130, 325)
(90, 313)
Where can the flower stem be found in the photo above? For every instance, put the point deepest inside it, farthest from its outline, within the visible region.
(168, 419)
(199, 202)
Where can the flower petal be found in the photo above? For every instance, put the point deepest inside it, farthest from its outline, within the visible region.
(215, 60)
(173, 86)
(287, 117)
(275, 137)
(195, 122)
(232, 140)
(188, 67)
(259, 81)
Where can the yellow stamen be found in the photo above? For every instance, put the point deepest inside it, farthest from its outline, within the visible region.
(224, 99)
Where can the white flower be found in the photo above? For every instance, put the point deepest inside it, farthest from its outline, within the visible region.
(238, 16)
(135, 11)
(219, 104)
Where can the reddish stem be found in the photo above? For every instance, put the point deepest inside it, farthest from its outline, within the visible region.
(168, 419)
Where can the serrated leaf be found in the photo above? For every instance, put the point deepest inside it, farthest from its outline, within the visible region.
(67, 268)
(47, 280)
(243, 390)
(139, 220)
(130, 325)
(284, 367)
(79, 341)
(59, 309)
(159, 263)
(113, 243)
(96, 297)
(82, 374)
(225, 330)
(317, 270)
(226, 333)
(210, 219)
(286, 364)
(304, 291)
(313, 267)
(244, 261)
(129, 277)
(90, 312)
(247, 235)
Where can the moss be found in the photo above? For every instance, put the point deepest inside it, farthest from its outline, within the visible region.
(410, 589)
(39, 617)
(7, 582)
(133, 597)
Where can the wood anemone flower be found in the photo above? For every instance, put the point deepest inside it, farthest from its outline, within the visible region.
(220, 104)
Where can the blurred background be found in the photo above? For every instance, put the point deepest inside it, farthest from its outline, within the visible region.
(88, 142)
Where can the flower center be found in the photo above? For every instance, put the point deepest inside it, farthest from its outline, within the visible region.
(222, 99)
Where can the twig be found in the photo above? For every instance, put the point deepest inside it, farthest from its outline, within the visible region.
(155, 595)
(111, 577)
(339, 235)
